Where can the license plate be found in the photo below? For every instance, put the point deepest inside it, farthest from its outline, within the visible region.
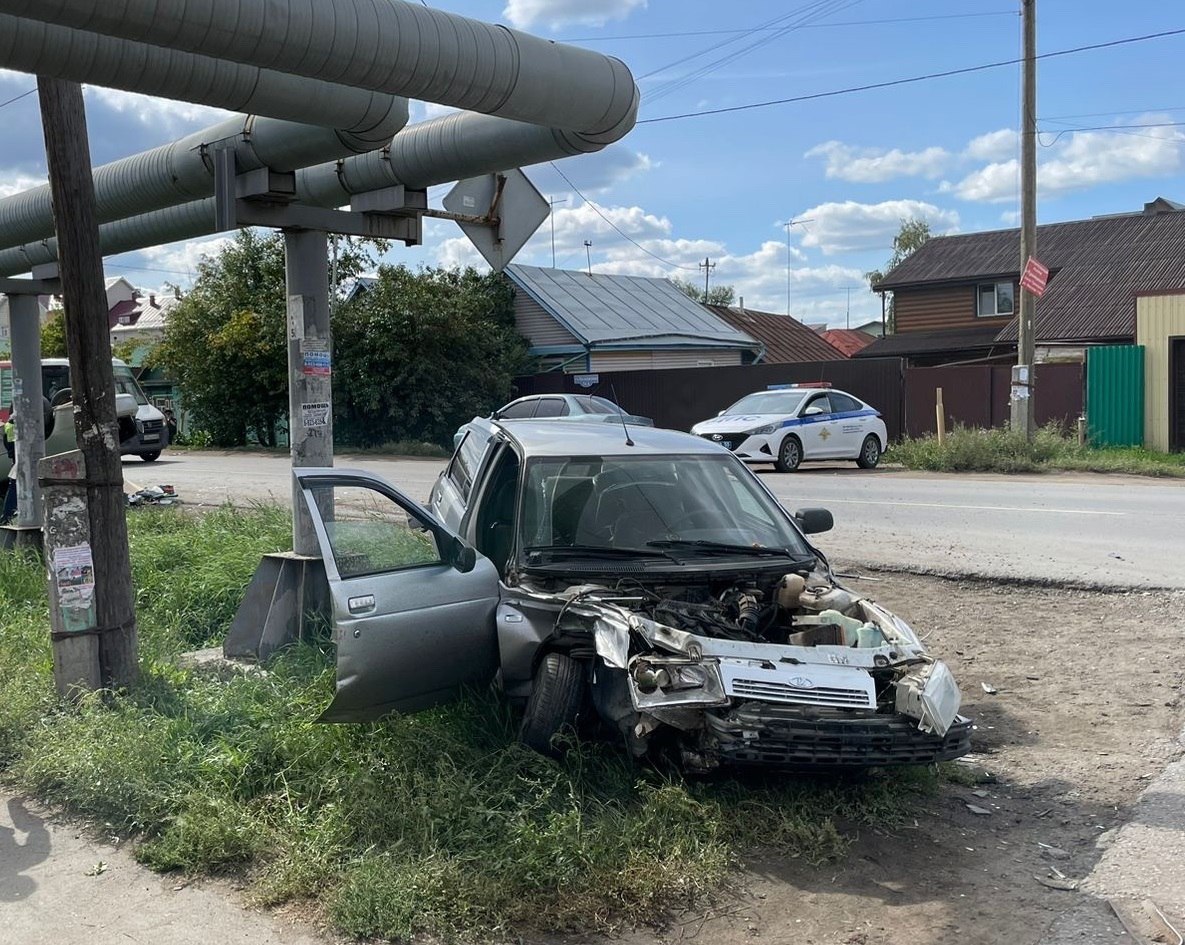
(150, 438)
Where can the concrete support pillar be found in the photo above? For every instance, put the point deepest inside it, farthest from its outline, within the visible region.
(27, 399)
(310, 399)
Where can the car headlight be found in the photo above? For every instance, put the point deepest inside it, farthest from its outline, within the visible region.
(764, 431)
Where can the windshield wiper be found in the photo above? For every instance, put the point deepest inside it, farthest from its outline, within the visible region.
(728, 547)
(594, 551)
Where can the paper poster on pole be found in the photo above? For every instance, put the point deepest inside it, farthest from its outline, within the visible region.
(314, 416)
(74, 578)
(295, 317)
(314, 357)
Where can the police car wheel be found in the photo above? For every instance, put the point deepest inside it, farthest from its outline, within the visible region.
(789, 454)
(870, 453)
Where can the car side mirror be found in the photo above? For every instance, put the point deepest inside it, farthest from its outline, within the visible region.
(720, 413)
(812, 411)
(464, 558)
(813, 521)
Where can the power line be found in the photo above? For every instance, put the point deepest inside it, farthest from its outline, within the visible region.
(615, 227)
(896, 19)
(1125, 111)
(17, 98)
(911, 79)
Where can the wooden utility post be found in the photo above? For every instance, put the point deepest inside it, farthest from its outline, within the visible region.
(88, 343)
(1021, 401)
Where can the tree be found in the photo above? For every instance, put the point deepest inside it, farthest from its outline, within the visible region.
(53, 335)
(423, 352)
(913, 234)
(717, 295)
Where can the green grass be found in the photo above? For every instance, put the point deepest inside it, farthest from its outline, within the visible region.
(435, 823)
(967, 449)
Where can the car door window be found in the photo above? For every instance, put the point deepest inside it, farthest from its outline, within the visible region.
(842, 403)
(819, 404)
(520, 410)
(370, 533)
(465, 461)
(552, 407)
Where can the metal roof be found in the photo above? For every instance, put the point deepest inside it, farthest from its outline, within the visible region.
(1096, 268)
(847, 341)
(602, 310)
(946, 341)
(786, 339)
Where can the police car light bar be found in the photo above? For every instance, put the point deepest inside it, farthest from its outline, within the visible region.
(803, 384)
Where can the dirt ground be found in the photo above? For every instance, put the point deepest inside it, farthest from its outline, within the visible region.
(1087, 711)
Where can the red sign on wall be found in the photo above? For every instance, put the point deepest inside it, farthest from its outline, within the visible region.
(1035, 277)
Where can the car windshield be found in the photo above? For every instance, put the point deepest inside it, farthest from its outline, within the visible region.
(125, 383)
(628, 503)
(768, 401)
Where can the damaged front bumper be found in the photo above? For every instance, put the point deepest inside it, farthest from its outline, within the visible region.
(785, 736)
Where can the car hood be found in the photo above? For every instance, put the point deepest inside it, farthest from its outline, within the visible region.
(735, 422)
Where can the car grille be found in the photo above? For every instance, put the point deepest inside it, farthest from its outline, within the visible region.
(731, 441)
(782, 692)
(765, 734)
(153, 426)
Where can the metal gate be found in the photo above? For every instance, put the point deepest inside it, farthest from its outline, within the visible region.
(1115, 395)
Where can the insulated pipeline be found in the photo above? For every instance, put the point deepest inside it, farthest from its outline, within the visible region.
(365, 117)
(393, 46)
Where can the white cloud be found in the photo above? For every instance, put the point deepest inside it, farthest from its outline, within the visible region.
(153, 112)
(176, 262)
(1010, 217)
(874, 165)
(14, 182)
(1080, 160)
(600, 170)
(558, 13)
(852, 227)
(993, 146)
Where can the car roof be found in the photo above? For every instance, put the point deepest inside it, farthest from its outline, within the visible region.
(560, 438)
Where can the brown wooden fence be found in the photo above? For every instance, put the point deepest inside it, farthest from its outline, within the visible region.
(973, 395)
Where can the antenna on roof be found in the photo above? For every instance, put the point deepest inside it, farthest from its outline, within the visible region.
(621, 414)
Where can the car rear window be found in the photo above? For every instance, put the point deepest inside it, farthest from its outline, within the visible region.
(842, 403)
(552, 407)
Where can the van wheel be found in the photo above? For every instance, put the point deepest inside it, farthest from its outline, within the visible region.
(789, 454)
(557, 695)
(870, 453)
(150, 457)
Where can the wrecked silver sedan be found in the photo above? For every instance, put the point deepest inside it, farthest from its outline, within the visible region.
(644, 580)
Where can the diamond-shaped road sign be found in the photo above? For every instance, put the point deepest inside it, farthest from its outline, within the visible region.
(518, 208)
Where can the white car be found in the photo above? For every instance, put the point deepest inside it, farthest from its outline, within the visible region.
(794, 423)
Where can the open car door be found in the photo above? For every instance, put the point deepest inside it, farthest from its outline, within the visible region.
(413, 606)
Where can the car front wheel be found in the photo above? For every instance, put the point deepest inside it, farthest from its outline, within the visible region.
(557, 695)
(870, 453)
(789, 454)
(150, 457)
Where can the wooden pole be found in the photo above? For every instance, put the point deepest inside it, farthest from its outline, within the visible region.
(67, 152)
(1021, 402)
(940, 416)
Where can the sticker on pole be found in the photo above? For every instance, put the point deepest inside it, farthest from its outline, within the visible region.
(1035, 277)
(314, 357)
(74, 578)
(314, 416)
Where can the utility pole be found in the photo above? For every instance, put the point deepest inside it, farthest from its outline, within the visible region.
(588, 254)
(848, 312)
(67, 153)
(551, 203)
(789, 252)
(707, 266)
(1021, 401)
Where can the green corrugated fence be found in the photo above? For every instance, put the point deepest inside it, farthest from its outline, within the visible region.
(1115, 395)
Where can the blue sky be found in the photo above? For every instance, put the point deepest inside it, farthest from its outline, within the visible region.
(850, 167)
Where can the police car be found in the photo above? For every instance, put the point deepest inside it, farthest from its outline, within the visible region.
(788, 424)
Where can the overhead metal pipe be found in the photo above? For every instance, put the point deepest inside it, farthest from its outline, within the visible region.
(393, 46)
(366, 118)
(183, 171)
(445, 149)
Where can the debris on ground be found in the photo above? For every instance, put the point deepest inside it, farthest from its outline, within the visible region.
(989, 688)
(976, 809)
(153, 495)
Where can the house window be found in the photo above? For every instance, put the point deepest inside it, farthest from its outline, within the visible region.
(996, 298)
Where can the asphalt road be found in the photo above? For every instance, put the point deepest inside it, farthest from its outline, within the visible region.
(1095, 530)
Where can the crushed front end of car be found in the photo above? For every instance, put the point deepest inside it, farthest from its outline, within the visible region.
(772, 669)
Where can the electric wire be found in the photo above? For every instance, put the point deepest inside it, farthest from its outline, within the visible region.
(616, 228)
(17, 98)
(891, 83)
